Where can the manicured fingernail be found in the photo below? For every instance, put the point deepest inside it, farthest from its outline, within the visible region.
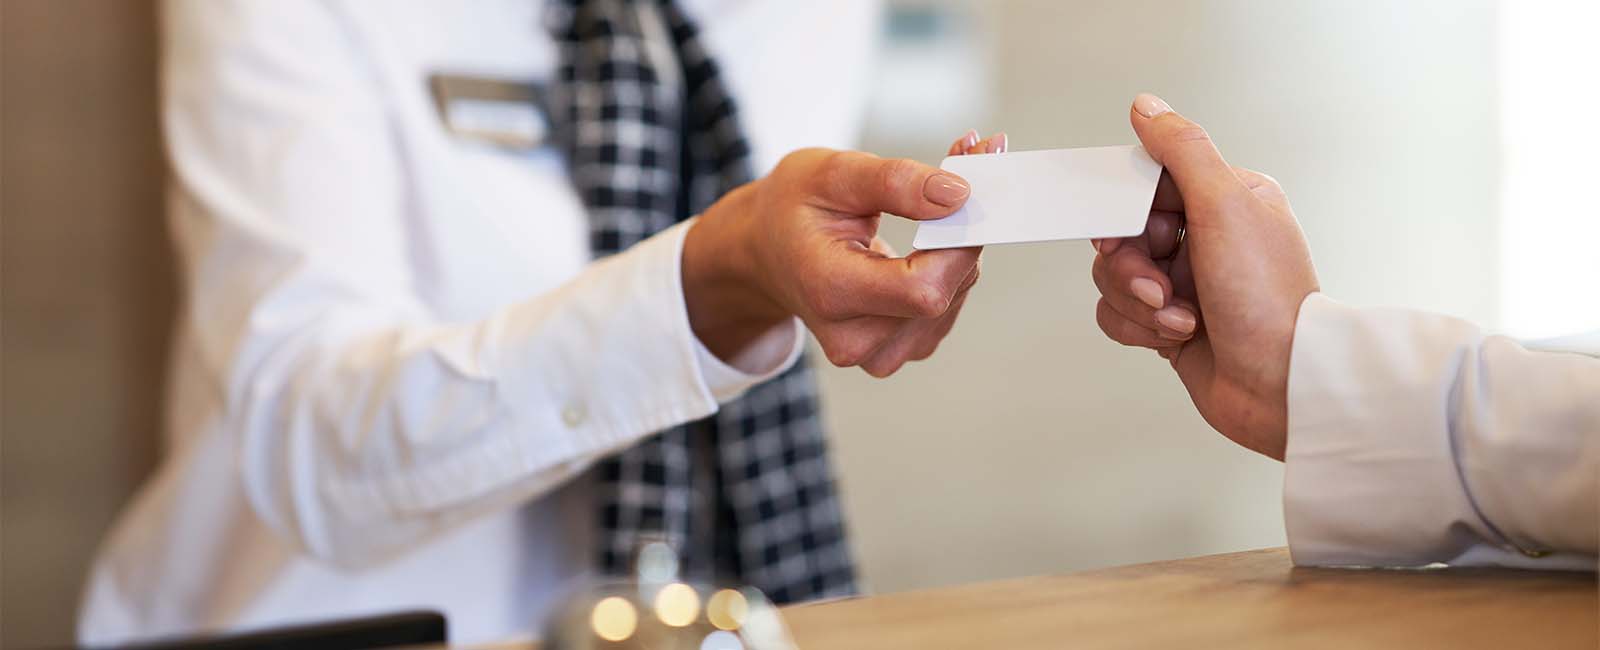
(1148, 292)
(971, 140)
(1001, 141)
(945, 189)
(1176, 319)
(1150, 105)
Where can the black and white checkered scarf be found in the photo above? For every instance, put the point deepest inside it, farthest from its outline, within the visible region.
(746, 496)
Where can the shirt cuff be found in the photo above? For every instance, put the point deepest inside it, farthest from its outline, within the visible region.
(772, 353)
(1370, 476)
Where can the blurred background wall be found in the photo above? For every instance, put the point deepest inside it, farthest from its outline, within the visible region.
(88, 293)
(1028, 445)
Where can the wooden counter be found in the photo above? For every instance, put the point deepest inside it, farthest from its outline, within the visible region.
(1255, 599)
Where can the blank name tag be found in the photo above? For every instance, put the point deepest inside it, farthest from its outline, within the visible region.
(1030, 196)
(501, 112)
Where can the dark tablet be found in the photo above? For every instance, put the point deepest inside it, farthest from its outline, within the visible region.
(393, 630)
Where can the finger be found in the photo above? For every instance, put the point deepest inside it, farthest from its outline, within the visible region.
(993, 144)
(918, 339)
(1159, 239)
(1130, 279)
(1132, 284)
(963, 143)
(1185, 149)
(854, 341)
(1118, 328)
(861, 283)
(862, 184)
(1168, 198)
(1178, 321)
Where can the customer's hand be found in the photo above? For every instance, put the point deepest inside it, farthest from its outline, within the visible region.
(1223, 309)
(803, 242)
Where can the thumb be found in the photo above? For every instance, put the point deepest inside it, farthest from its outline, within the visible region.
(1185, 149)
(863, 184)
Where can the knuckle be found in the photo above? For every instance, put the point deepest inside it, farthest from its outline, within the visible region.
(895, 175)
(1110, 330)
(1189, 132)
(837, 160)
(1130, 335)
(839, 356)
(831, 171)
(928, 300)
(846, 351)
(880, 370)
(1258, 181)
(801, 159)
(1114, 325)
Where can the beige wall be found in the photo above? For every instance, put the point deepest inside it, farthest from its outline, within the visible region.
(87, 293)
(1030, 444)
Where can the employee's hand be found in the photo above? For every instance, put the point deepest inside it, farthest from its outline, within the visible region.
(803, 242)
(1223, 310)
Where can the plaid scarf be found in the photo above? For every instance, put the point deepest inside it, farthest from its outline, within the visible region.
(745, 496)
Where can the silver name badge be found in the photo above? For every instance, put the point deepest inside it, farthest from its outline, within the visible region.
(501, 112)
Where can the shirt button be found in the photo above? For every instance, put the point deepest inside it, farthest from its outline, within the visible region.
(573, 415)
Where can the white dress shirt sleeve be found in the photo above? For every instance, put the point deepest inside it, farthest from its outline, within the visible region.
(769, 355)
(1416, 439)
(363, 423)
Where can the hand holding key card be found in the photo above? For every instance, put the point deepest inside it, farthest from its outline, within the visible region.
(1030, 196)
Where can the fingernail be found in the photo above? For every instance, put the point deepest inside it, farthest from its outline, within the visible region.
(1176, 319)
(945, 189)
(1148, 292)
(971, 140)
(1150, 105)
(1001, 142)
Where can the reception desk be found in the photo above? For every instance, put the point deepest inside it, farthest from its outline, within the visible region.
(1254, 599)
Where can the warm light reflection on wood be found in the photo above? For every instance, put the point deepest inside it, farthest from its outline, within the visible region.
(677, 604)
(727, 609)
(614, 619)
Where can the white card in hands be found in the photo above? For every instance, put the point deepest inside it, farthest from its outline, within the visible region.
(1029, 196)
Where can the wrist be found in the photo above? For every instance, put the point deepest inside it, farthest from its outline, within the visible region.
(728, 303)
